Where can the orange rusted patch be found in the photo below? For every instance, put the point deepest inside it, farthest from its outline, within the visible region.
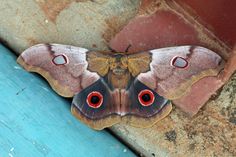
(53, 8)
(32, 41)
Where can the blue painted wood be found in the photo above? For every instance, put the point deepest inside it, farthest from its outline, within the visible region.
(35, 121)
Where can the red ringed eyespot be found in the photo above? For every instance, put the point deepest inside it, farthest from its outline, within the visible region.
(94, 99)
(179, 62)
(146, 97)
(60, 60)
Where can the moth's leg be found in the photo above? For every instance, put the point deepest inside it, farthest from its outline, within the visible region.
(111, 49)
(127, 49)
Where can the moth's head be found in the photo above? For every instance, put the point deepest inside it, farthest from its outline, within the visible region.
(118, 64)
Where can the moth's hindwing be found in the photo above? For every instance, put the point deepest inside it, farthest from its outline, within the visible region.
(144, 106)
(96, 106)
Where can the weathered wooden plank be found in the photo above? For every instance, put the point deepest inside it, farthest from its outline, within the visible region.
(34, 121)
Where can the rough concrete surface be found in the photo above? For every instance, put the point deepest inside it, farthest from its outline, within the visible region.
(90, 24)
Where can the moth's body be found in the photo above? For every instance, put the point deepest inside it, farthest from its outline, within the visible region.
(118, 70)
(110, 88)
(118, 75)
(119, 81)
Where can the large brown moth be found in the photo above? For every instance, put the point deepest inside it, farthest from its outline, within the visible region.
(108, 88)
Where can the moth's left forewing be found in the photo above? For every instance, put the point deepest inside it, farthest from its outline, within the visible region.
(98, 62)
(63, 66)
(174, 70)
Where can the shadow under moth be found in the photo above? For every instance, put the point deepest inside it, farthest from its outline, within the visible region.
(108, 88)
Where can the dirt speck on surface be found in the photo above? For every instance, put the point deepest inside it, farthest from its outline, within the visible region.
(32, 41)
(94, 45)
(171, 136)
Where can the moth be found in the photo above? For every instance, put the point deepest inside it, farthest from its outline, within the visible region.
(108, 88)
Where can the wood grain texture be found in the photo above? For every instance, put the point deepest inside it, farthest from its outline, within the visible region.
(35, 121)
